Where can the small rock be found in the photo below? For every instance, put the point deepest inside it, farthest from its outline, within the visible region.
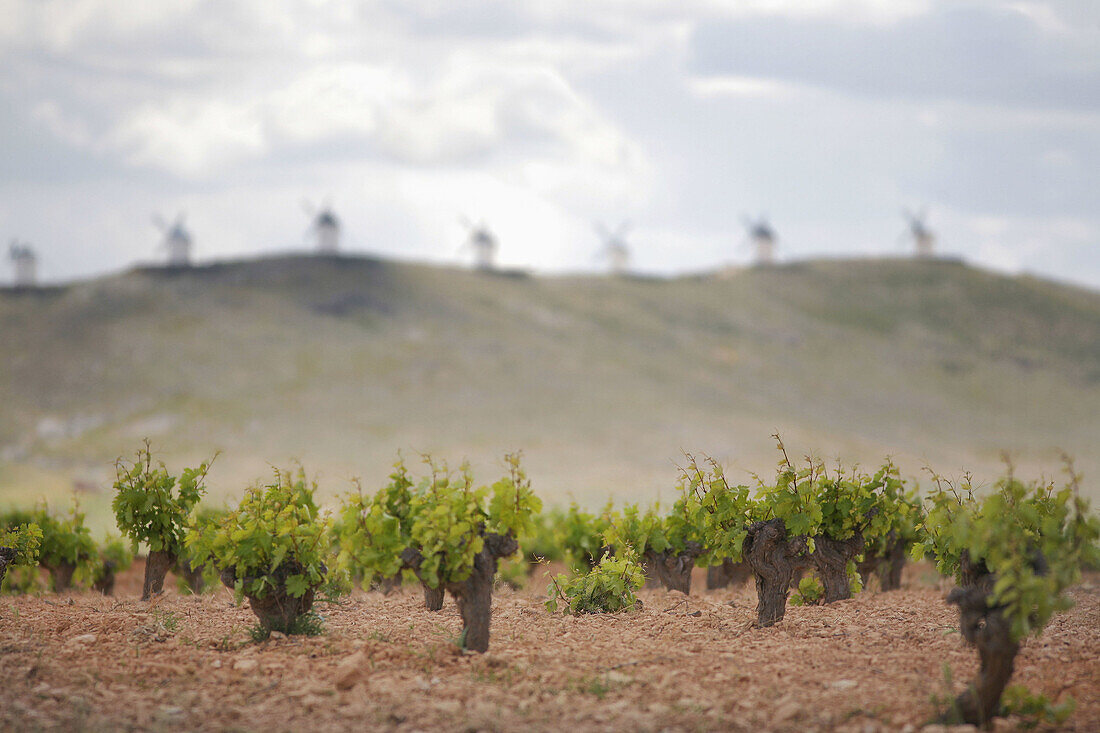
(786, 711)
(618, 678)
(83, 639)
(245, 665)
(350, 671)
(216, 664)
(277, 635)
(842, 684)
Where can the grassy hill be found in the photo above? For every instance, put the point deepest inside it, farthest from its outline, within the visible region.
(342, 361)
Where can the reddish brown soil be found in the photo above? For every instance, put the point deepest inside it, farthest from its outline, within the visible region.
(82, 661)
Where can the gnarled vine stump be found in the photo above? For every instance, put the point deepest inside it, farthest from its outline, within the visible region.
(192, 576)
(157, 566)
(674, 569)
(433, 598)
(276, 610)
(773, 557)
(105, 579)
(475, 594)
(61, 576)
(7, 557)
(386, 585)
(727, 574)
(988, 630)
(887, 566)
(830, 559)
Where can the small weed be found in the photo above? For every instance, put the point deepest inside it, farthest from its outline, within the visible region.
(597, 686)
(168, 620)
(1035, 709)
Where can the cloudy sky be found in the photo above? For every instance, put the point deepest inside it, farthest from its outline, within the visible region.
(541, 117)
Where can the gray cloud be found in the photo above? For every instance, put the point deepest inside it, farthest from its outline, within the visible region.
(979, 54)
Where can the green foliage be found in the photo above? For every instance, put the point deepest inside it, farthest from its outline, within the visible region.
(813, 502)
(580, 536)
(653, 531)
(203, 517)
(276, 538)
(152, 506)
(608, 588)
(1036, 709)
(116, 550)
(25, 537)
(26, 540)
(371, 531)
(719, 510)
(809, 593)
(443, 517)
(1031, 537)
(65, 539)
(542, 544)
(113, 554)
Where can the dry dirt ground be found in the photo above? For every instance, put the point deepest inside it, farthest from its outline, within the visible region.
(82, 661)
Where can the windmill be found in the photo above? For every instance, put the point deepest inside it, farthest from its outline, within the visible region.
(177, 240)
(24, 263)
(923, 237)
(762, 237)
(483, 243)
(615, 248)
(325, 228)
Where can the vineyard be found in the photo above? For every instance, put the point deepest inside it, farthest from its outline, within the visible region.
(825, 597)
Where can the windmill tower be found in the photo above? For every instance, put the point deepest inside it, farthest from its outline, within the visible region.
(325, 228)
(923, 238)
(24, 264)
(483, 243)
(177, 241)
(762, 237)
(615, 248)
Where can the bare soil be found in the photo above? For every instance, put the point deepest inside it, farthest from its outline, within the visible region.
(84, 661)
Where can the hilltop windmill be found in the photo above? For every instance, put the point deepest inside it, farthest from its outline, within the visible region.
(24, 264)
(923, 238)
(325, 227)
(762, 237)
(177, 240)
(615, 248)
(483, 243)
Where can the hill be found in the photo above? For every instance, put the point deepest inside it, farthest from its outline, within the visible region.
(342, 361)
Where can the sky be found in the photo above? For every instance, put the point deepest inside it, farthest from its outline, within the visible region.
(541, 118)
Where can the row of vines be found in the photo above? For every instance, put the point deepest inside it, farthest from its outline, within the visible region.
(820, 531)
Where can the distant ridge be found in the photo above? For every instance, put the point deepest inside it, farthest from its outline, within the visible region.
(342, 360)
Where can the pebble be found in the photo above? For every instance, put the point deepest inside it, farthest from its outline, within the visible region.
(83, 639)
(245, 665)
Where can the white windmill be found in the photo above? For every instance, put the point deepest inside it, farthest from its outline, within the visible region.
(923, 238)
(483, 243)
(24, 264)
(177, 240)
(762, 237)
(325, 228)
(615, 248)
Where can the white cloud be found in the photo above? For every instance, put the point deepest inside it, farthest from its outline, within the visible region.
(539, 117)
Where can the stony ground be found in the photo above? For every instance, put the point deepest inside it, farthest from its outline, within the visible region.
(84, 661)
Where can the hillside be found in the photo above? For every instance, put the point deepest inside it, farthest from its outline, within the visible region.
(342, 361)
